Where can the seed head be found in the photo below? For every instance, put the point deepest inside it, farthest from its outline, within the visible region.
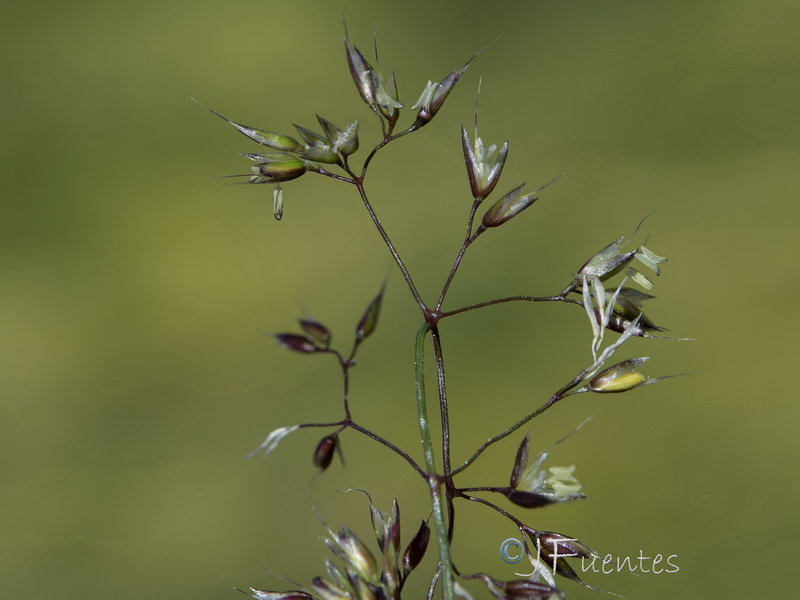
(434, 95)
(317, 332)
(606, 263)
(276, 141)
(317, 148)
(509, 206)
(415, 551)
(346, 545)
(323, 453)
(524, 589)
(620, 377)
(369, 320)
(275, 168)
(531, 486)
(362, 73)
(296, 342)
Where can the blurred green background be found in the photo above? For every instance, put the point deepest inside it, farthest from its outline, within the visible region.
(135, 287)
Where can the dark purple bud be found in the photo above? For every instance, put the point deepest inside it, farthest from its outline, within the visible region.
(555, 548)
(521, 589)
(563, 545)
(298, 343)
(508, 207)
(415, 551)
(521, 461)
(529, 499)
(323, 453)
(317, 332)
(366, 325)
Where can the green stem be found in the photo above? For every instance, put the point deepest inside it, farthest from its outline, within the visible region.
(434, 480)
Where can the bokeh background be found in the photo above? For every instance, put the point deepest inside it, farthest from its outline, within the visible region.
(135, 288)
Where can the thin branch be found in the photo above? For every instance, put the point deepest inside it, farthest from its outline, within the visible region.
(372, 154)
(468, 239)
(328, 424)
(319, 170)
(560, 394)
(386, 139)
(392, 250)
(388, 444)
(493, 506)
(558, 298)
(497, 490)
